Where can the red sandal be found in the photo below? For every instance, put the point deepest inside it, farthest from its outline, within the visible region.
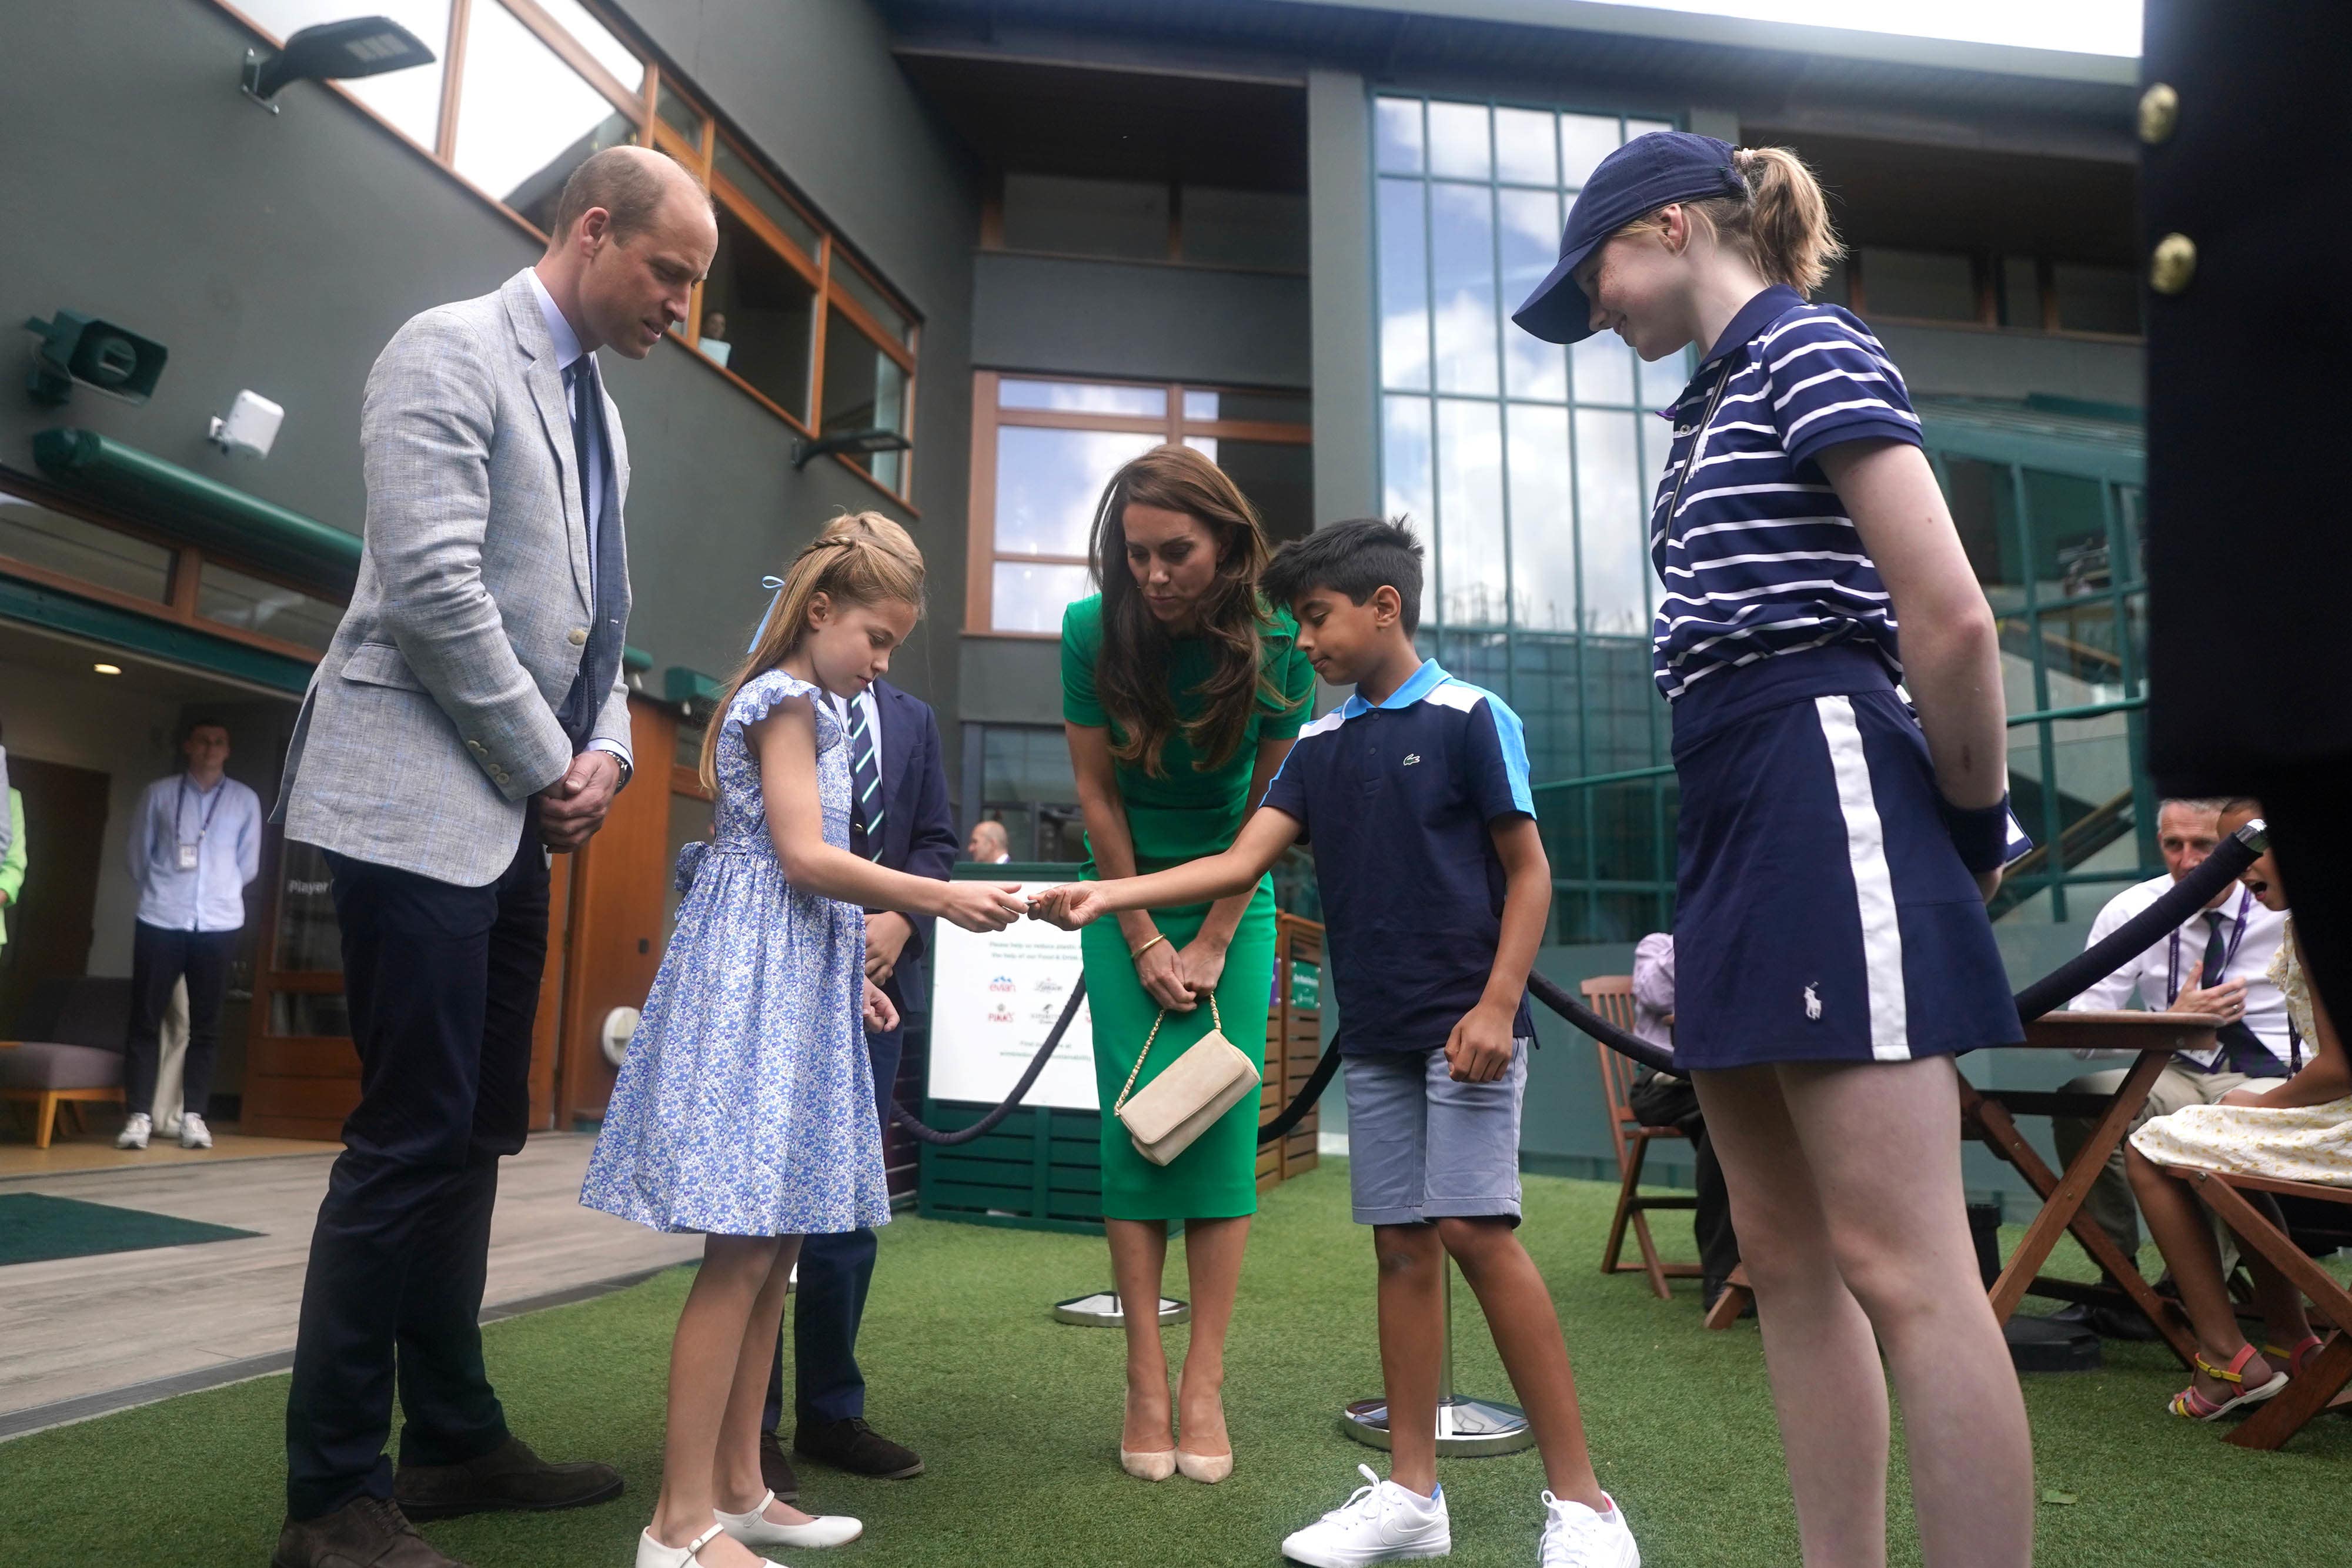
(2297, 1357)
(2194, 1407)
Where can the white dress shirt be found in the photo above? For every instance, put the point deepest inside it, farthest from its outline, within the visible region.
(567, 351)
(220, 829)
(2148, 976)
(1653, 988)
(871, 712)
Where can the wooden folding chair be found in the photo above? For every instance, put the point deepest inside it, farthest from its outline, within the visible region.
(1611, 996)
(2321, 1386)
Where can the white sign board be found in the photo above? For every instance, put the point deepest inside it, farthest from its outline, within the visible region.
(995, 998)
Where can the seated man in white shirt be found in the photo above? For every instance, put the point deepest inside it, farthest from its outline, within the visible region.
(194, 843)
(2217, 963)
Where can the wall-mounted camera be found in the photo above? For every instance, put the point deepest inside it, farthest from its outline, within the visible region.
(249, 427)
(97, 354)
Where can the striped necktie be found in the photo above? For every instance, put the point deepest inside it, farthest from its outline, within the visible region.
(864, 786)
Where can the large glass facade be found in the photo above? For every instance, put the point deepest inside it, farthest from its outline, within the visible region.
(1524, 467)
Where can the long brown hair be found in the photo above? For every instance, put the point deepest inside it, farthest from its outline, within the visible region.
(1131, 675)
(858, 558)
(1783, 224)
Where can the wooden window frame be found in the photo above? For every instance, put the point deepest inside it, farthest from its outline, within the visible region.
(182, 574)
(654, 131)
(988, 418)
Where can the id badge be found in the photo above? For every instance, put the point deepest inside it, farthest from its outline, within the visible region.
(187, 857)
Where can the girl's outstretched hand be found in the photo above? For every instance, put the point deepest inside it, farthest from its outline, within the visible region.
(1069, 906)
(881, 1018)
(982, 906)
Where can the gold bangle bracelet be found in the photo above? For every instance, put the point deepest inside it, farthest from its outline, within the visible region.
(1138, 952)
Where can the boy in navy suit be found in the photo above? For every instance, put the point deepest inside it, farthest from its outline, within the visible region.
(900, 818)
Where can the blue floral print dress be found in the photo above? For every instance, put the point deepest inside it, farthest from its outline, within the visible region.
(746, 1105)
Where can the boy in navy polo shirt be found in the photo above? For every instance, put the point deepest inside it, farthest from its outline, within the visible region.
(1413, 794)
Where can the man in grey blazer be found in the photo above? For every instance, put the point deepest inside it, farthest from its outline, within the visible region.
(468, 719)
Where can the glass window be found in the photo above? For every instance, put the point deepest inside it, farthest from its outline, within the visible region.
(1031, 596)
(310, 1015)
(59, 542)
(1458, 140)
(1543, 520)
(410, 99)
(1279, 478)
(525, 118)
(250, 604)
(852, 282)
(864, 389)
(308, 940)
(737, 170)
(1470, 512)
(1083, 397)
(1530, 241)
(2096, 299)
(1663, 379)
(1048, 483)
(1404, 285)
(1604, 369)
(1526, 150)
(679, 115)
(761, 311)
(1926, 284)
(1244, 228)
(1116, 218)
(1462, 255)
(1248, 407)
(2020, 292)
(689, 820)
(1396, 135)
(1405, 489)
(598, 41)
(1584, 141)
(1610, 526)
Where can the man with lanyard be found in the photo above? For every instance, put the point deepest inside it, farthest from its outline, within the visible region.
(194, 843)
(2216, 964)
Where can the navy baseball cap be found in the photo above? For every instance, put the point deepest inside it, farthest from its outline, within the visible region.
(1646, 173)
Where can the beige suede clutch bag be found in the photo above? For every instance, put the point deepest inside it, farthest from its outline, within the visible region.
(1185, 1102)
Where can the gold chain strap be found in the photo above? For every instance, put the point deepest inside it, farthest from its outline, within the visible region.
(1214, 1021)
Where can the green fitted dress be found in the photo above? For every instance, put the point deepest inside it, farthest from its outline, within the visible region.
(1180, 815)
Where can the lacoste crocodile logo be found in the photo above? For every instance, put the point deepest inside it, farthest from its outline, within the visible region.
(1410, 759)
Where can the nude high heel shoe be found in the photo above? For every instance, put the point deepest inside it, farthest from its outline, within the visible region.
(1156, 1464)
(1206, 1469)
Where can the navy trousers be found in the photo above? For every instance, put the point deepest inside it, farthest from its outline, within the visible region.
(443, 983)
(836, 1270)
(159, 957)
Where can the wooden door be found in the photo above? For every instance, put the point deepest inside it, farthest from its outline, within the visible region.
(52, 920)
(613, 944)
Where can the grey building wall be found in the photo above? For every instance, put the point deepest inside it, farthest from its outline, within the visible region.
(280, 252)
(1974, 362)
(1145, 321)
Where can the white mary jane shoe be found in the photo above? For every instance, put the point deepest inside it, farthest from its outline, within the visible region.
(652, 1554)
(757, 1531)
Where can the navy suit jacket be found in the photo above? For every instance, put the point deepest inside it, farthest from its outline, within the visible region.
(918, 834)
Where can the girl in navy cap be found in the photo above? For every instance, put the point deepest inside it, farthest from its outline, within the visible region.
(1835, 850)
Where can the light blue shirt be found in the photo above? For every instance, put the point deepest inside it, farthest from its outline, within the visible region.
(567, 351)
(222, 826)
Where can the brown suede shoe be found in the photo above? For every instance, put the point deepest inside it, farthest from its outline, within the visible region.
(367, 1532)
(509, 1476)
(776, 1470)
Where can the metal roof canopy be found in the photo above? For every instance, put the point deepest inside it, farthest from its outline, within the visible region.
(2055, 435)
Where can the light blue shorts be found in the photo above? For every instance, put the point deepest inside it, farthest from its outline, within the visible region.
(1421, 1146)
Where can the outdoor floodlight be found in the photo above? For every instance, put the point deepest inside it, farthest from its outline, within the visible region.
(78, 347)
(865, 442)
(251, 427)
(334, 51)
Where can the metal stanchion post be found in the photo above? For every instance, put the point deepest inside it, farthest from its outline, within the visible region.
(1101, 1310)
(1466, 1428)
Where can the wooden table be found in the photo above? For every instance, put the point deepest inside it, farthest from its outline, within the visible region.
(1989, 1115)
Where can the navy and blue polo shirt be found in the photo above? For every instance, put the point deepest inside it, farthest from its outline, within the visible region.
(1395, 801)
(1759, 558)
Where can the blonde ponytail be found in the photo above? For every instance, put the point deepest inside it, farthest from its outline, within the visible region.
(1781, 225)
(858, 558)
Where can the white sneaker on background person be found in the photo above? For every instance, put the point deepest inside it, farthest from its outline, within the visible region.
(1576, 1537)
(136, 1130)
(1382, 1522)
(194, 1133)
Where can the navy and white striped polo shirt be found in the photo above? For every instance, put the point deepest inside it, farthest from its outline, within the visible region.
(1759, 558)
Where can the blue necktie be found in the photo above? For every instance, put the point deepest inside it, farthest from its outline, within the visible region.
(2243, 1049)
(600, 659)
(865, 788)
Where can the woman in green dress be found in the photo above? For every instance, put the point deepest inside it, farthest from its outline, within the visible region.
(1181, 692)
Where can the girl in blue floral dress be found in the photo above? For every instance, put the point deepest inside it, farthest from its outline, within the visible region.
(745, 1108)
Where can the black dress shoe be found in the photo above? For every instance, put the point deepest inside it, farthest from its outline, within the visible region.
(366, 1532)
(776, 1471)
(2108, 1322)
(508, 1478)
(855, 1446)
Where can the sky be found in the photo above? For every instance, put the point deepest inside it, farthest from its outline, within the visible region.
(2082, 27)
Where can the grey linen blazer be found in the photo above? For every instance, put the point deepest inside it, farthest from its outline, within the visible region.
(432, 718)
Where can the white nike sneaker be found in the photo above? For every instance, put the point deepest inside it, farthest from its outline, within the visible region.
(136, 1130)
(1576, 1537)
(194, 1133)
(1383, 1522)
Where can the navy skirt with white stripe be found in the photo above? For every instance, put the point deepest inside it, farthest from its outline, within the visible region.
(1823, 915)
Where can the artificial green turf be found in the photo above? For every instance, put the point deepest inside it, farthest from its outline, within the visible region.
(1018, 1418)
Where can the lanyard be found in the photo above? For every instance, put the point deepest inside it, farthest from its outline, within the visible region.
(2229, 954)
(220, 790)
